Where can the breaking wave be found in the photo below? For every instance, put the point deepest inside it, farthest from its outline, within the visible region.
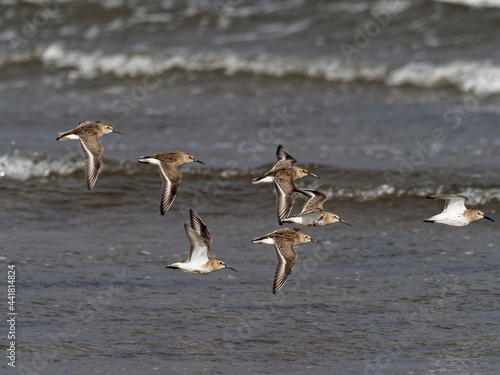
(24, 166)
(35, 166)
(476, 195)
(474, 3)
(478, 78)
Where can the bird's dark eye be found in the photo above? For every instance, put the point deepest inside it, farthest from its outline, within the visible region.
(221, 263)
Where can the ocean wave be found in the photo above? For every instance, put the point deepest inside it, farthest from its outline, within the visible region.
(476, 195)
(479, 78)
(25, 166)
(20, 166)
(375, 7)
(96, 63)
(473, 3)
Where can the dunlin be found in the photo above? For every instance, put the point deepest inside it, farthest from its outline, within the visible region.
(285, 193)
(455, 213)
(88, 133)
(283, 241)
(199, 261)
(282, 175)
(284, 160)
(168, 165)
(312, 214)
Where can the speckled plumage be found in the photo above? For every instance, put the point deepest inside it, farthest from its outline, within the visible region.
(282, 175)
(313, 214)
(283, 240)
(168, 164)
(88, 134)
(284, 161)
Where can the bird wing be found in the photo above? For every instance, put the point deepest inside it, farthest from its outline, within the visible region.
(199, 226)
(281, 164)
(282, 154)
(92, 151)
(82, 124)
(198, 249)
(171, 180)
(286, 260)
(285, 195)
(314, 202)
(452, 202)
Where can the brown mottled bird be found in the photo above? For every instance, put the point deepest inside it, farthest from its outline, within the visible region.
(283, 241)
(313, 214)
(284, 160)
(282, 175)
(88, 133)
(168, 165)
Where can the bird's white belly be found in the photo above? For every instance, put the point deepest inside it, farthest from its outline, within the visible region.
(268, 241)
(192, 267)
(310, 219)
(265, 180)
(455, 219)
(150, 160)
(294, 219)
(69, 137)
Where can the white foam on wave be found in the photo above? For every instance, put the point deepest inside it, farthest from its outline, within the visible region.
(375, 7)
(26, 166)
(18, 56)
(476, 195)
(474, 3)
(481, 78)
(479, 196)
(95, 63)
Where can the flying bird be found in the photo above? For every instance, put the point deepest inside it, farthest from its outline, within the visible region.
(168, 165)
(284, 160)
(455, 213)
(88, 134)
(200, 240)
(283, 240)
(282, 175)
(313, 214)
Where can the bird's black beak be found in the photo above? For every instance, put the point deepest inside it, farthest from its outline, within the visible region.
(316, 241)
(199, 161)
(488, 218)
(345, 222)
(312, 175)
(232, 269)
(115, 131)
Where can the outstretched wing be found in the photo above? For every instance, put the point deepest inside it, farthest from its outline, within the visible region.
(92, 150)
(285, 195)
(199, 226)
(282, 154)
(198, 250)
(286, 260)
(171, 180)
(452, 202)
(315, 200)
